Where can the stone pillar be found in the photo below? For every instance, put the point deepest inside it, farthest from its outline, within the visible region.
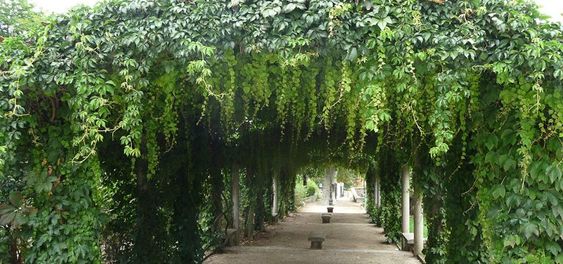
(235, 192)
(339, 187)
(327, 185)
(379, 194)
(275, 196)
(335, 189)
(326, 188)
(405, 177)
(418, 221)
(375, 193)
(334, 185)
(378, 197)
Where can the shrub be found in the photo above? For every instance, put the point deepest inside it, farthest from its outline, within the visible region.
(300, 194)
(312, 188)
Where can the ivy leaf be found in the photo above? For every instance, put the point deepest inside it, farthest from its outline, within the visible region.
(554, 173)
(271, 12)
(490, 157)
(511, 241)
(19, 219)
(491, 142)
(513, 200)
(531, 229)
(370, 125)
(289, 7)
(499, 191)
(234, 3)
(16, 199)
(6, 219)
(502, 159)
(535, 170)
(383, 22)
(552, 199)
(509, 164)
(5, 209)
(44, 184)
(553, 248)
(371, 21)
(353, 54)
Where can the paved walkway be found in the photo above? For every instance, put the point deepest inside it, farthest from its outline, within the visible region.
(350, 238)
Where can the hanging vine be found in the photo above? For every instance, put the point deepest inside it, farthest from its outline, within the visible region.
(475, 84)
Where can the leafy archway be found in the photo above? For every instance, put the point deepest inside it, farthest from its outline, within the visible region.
(125, 117)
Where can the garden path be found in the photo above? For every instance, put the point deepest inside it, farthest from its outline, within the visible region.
(350, 238)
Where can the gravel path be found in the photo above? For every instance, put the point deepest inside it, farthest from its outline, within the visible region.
(350, 238)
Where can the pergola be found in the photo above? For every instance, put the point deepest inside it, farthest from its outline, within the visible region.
(141, 130)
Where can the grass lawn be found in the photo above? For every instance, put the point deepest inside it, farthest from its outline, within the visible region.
(411, 227)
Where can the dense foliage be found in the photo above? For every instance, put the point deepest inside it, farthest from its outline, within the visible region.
(123, 126)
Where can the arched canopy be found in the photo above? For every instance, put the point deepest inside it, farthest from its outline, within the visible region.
(181, 93)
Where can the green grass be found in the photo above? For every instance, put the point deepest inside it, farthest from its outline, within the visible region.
(411, 227)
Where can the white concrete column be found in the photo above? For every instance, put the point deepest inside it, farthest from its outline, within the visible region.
(334, 185)
(405, 178)
(377, 193)
(275, 195)
(326, 187)
(374, 193)
(330, 175)
(418, 221)
(235, 195)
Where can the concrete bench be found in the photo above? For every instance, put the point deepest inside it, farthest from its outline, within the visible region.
(316, 239)
(358, 194)
(330, 209)
(407, 241)
(326, 217)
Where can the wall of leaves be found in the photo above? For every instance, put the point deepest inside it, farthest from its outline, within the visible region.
(123, 125)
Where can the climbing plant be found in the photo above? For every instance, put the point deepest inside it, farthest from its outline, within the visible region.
(132, 112)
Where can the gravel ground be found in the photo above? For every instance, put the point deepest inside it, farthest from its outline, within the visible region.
(350, 238)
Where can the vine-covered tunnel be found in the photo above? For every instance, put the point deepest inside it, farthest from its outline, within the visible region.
(141, 131)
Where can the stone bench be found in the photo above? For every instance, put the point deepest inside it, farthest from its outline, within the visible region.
(316, 239)
(330, 209)
(326, 217)
(407, 241)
